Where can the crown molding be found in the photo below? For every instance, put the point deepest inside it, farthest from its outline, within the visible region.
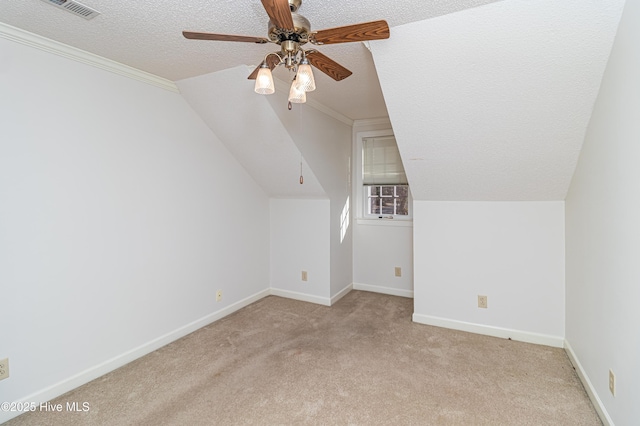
(369, 122)
(33, 40)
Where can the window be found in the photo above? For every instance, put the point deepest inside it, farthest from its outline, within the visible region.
(386, 192)
(385, 200)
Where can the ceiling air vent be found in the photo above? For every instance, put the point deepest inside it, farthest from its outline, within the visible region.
(75, 8)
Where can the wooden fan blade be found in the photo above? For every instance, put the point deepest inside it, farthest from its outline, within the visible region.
(375, 30)
(328, 66)
(272, 62)
(279, 13)
(223, 37)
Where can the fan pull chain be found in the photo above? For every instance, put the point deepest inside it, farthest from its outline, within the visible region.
(300, 128)
(301, 177)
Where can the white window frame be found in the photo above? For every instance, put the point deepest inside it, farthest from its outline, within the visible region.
(359, 192)
(366, 198)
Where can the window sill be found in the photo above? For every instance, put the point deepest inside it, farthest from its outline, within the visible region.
(385, 222)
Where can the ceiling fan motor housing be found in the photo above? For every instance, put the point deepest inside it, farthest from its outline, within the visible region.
(302, 28)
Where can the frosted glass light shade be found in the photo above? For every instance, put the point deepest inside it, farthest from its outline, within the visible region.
(297, 95)
(264, 82)
(305, 79)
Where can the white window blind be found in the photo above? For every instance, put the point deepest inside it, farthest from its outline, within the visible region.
(381, 162)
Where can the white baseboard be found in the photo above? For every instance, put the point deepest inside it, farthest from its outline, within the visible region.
(505, 333)
(330, 301)
(588, 386)
(342, 293)
(303, 297)
(92, 373)
(384, 290)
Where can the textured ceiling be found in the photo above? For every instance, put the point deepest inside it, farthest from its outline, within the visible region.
(504, 97)
(147, 35)
(264, 148)
(499, 113)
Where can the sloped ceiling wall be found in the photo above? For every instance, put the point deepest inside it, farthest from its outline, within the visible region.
(492, 103)
(147, 35)
(324, 141)
(248, 126)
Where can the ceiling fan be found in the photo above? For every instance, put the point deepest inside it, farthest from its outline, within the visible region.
(291, 31)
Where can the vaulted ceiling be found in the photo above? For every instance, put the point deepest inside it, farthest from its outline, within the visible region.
(495, 100)
(147, 35)
(488, 100)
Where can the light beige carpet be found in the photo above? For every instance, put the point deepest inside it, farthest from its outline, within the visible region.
(360, 362)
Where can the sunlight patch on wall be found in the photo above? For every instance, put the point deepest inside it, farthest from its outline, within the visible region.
(344, 219)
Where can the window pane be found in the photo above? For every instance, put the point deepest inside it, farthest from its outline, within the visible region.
(387, 191)
(402, 200)
(374, 205)
(402, 207)
(387, 208)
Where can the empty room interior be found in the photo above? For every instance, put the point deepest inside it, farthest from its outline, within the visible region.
(147, 192)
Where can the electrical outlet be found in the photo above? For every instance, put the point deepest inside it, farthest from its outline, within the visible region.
(218, 295)
(482, 302)
(398, 271)
(304, 276)
(4, 368)
(612, 383)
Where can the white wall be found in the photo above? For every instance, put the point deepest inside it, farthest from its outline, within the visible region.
(271, 146)
(379, 246)
(121, 214)
(378, 250)
(512, 252)
(300, 242)
(603, 236)
(325, 143)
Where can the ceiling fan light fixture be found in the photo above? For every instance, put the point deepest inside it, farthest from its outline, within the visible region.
(297, 95)
(290, 30)
(264, 81)
(304, 77)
